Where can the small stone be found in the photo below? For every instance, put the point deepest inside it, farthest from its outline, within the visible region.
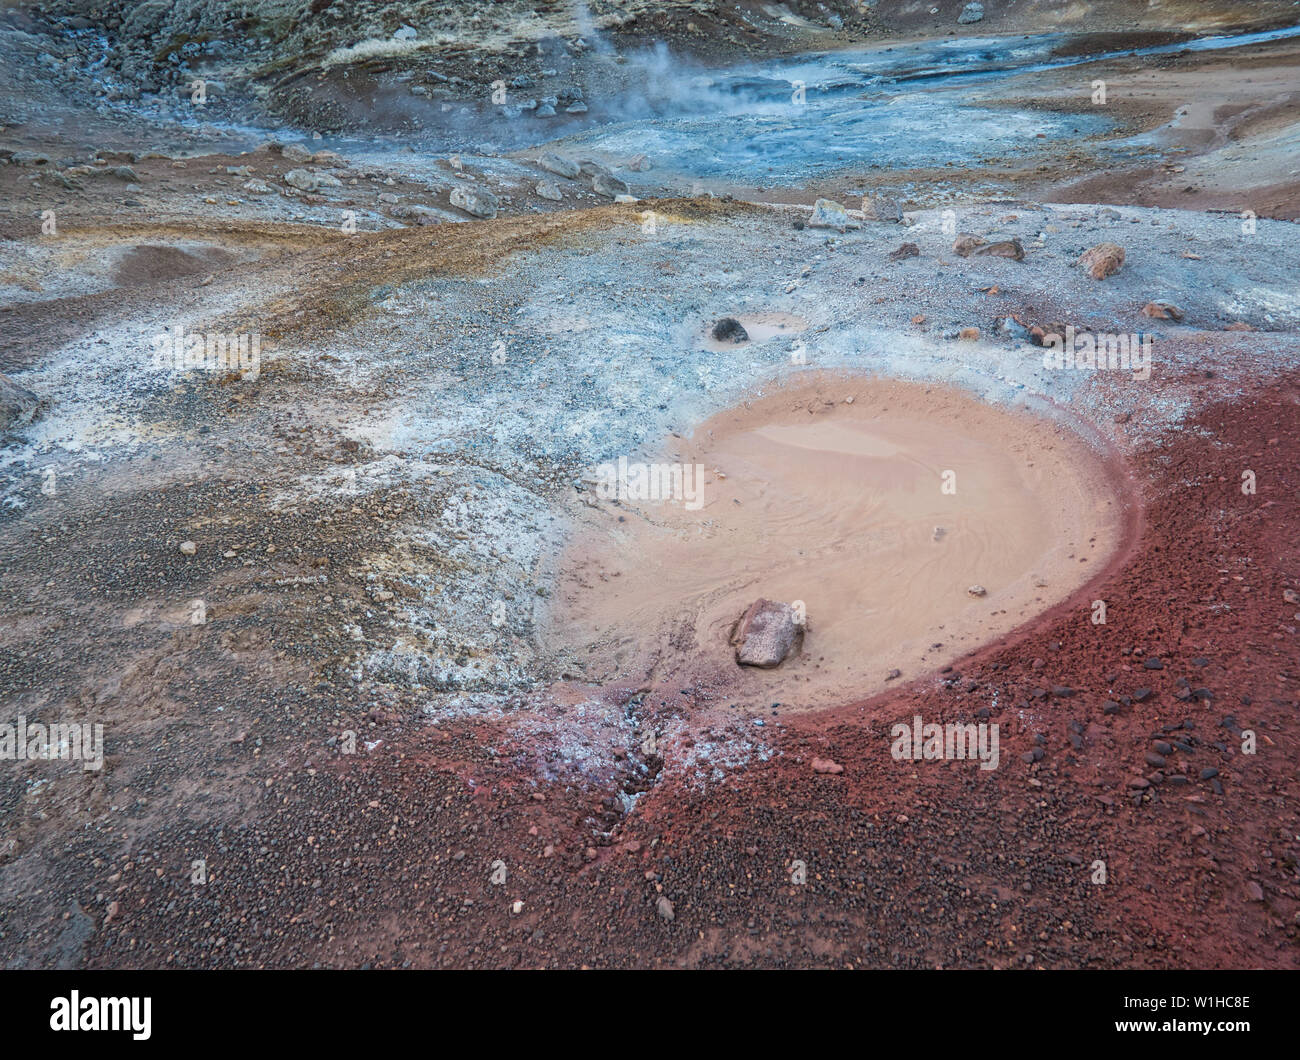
(1154, 760)
(1153, 664)
(1254, 892)
(972, 12)
(665, 909)
(189, 548)
(977, 590)
(549, 190)
(826, 766)
(1162, 311)
(969, 334)
(963, 245)
(907, 250)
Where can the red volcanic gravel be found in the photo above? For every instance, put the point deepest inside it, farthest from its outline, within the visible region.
(389, 860)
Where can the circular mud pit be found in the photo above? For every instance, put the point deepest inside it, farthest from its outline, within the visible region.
(759, 328)
(879, 505)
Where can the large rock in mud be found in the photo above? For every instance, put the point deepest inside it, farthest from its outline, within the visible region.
(474, 201)
(18, 405)
(766, 634)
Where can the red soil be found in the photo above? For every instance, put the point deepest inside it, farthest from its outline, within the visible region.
(908, 864)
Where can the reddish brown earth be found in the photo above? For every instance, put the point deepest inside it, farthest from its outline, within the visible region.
(386, 860)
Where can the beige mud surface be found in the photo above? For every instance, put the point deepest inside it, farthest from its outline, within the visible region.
(831, 491)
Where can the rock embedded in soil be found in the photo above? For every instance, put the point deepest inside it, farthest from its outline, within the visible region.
(827, 767)
(1162, 311)
(548, 189)
(18, 405)
(766, 634)
(964, 244)
(829, 214)
(475, 202)
(609, 185)
(1102, 260)
(882, 208)
(1005, 248)
(729, 329)
(907, 250)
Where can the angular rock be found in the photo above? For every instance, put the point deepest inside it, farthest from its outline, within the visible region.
(18, 405)
(964, 244)
(548, 189)
(608, 184)
(474, 201)
(882, 208)
(1005, 248)
(972, 12)
(559, 165)
(665, 909)
(907, 250)
(766, 634)
(827, 213)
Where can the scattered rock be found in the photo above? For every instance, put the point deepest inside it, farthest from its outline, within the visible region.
(188, 548)
(549, 190)
(969, 334)
(609, 185)
(1006, 248)
(882, 208)
(829, 214)
(18, 405)
(1102, 260)
(964, 244)
(295, 152)
(475, 202)
(1162, 311)
(766, 634)
(827, 766)
(972, 12)
(559, 165)
(907, 250)
(306, 180)
(637, 164)
(665, 909)
(1254, 892)
(977, 590)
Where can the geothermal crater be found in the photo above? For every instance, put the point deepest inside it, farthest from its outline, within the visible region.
(910, 523)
